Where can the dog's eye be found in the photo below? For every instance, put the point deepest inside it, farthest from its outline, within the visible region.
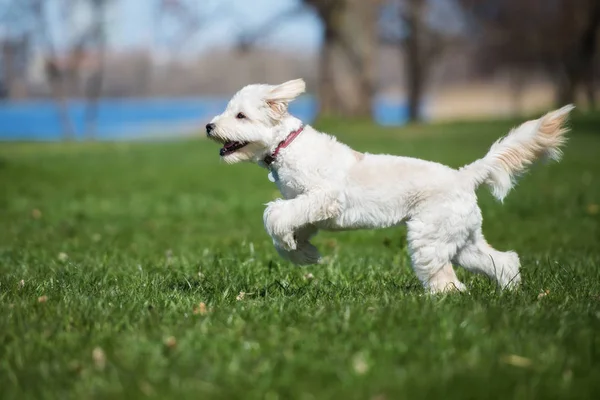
(241, 116)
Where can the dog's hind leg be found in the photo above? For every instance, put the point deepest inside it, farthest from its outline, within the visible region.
(431, 250)
(444, 280)
(479, 257)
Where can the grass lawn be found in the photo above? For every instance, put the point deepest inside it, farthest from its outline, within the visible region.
(122, 268)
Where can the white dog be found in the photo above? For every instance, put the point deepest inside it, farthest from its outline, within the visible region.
(327, 185)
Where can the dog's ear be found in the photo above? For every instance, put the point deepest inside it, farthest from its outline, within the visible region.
(280, 95)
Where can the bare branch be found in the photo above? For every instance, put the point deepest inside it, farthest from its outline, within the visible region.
(191, 22)
(248, 39)
(53, 73)
(94, 86)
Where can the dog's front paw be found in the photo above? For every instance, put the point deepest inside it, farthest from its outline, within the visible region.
(277, 225)
(333, 209)
(287, 241)
(305, 254)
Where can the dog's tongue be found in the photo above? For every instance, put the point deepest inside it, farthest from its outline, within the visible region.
(231, 147)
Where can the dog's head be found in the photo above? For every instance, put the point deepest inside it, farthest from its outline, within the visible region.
(252, 123)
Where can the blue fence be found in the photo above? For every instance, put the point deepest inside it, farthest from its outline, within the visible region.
(141, 118)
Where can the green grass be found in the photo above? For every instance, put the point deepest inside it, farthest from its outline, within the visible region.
(148, 231)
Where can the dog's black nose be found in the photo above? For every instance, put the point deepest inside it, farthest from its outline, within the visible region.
(209, 128)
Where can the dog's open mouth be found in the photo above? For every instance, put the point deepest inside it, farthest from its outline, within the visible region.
(231, 147)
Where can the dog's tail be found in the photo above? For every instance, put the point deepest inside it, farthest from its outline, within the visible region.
(511, 155)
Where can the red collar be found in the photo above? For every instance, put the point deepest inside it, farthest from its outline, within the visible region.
(270, 158)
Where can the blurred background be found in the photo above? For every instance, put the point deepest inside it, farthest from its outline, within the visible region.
(122, 69)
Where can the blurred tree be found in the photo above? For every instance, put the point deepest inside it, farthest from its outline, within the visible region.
(15, 44)
(421, 39)
(53, 71)
(347, 68)
(14, 56)
(557, 36)
(97, 39)
(189, 17)
(347, 61)
(83, 46)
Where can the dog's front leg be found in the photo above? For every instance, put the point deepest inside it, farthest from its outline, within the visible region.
(306, 253)
(283, 218)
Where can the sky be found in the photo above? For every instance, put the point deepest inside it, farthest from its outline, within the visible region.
(140, 24)
(134, 24)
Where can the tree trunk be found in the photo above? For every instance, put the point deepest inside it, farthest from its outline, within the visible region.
(13, 54)
(414, 57)
(589, 47)
(54, 75)
(347, 65)
(567, 86)
(327, 90)
(578, 62)
(56, 83)
(415, 88)
(590, 90)
(94, 87)
(518, 82)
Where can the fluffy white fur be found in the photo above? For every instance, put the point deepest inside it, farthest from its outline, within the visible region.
(327, 185)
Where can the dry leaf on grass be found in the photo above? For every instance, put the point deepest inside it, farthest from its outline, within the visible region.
(593, 209)
(359, 364)
(146, 388)
(171, 342)
(517, 361)
(99, 358)
(543, 294)
(201, 309)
